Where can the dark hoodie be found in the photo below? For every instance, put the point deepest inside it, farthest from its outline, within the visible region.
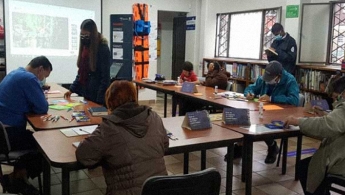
(129, 145)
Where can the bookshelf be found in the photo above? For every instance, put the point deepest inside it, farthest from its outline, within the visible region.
(314, 79)
(243, 71)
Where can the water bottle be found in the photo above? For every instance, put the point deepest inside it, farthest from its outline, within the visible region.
(216, 89)
(178, 81)
(261, 110)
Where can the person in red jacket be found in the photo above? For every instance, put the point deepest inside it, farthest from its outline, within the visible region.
(188, 74)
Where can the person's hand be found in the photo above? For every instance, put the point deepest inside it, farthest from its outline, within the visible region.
(291, 120)
(319, 111)
(265, 98)
(250, 96)
(67, 95)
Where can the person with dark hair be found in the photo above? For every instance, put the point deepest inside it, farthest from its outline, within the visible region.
(129, 144)
(188, 73)
(285, 46)
(215, 77)
(21, 93)
(330, 157)
(93, 63)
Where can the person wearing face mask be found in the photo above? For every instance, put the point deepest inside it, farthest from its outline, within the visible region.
(21, 93)
(275, 86)
(330, 157)
(93, 63)
(285, 46)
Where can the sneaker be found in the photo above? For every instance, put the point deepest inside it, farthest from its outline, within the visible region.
(272, 153)
(237, 152)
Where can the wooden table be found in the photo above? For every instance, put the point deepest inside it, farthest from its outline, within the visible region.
(37, 123)
(167, 90)
(59, 152)
(252, 136)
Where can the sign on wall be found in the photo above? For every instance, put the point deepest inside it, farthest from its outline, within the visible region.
(190, 23)
(292, 11)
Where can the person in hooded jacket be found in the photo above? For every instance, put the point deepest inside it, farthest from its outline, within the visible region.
(129, 144)
(93, 63)
(330, 157)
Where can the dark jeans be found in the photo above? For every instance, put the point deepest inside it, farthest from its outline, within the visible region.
(22, 139)
(303, 175)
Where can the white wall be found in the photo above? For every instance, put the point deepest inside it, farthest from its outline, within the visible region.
(125, 7)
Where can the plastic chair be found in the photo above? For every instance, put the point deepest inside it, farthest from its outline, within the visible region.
(206, 182)
(8, 157)
(338, 180)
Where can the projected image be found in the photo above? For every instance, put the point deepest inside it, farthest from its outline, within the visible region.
(39, 31)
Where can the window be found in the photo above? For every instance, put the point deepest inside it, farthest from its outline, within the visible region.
(245, 34)
(338, 33)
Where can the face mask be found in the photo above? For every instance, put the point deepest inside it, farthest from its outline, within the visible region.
(85, 42)
(271, 82)
(339, 98)
(278, 37)
(43, 82)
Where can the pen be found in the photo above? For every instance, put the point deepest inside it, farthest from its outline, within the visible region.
(64, 118)
(73, 118)
(84, 131)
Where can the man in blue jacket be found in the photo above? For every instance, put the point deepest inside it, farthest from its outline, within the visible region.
(285, 46)
(21, 93)
(275, 86)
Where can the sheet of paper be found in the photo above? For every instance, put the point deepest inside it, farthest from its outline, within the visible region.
(82, 130)
(272, 107)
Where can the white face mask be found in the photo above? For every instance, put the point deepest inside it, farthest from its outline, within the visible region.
(271, 82)
(43, 82)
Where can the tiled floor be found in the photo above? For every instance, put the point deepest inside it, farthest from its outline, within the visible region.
(267, 179)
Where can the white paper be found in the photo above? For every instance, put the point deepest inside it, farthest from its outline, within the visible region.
(82, 130)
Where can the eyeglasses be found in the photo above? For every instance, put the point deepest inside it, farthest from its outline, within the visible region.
(84, 36)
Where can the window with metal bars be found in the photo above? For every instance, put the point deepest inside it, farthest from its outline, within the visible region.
(245, 34)
(337, 44)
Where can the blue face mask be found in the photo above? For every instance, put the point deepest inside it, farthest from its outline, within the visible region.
(43, 82)
(272, 82)
(278, 37)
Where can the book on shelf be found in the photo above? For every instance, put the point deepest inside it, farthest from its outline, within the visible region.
(98, 111)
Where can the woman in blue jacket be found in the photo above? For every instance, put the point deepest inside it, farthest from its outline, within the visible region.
(93, 63)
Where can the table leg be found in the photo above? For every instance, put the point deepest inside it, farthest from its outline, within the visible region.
(65, 182)
(229, 169)
(285, 146)
(244, 151)
(249, 166)
(185, 162)
(203, 159)
(46, 177)
(165, 105)
(298, 155)
(174, 105)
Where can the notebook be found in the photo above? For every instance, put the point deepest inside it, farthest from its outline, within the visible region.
(98, 111)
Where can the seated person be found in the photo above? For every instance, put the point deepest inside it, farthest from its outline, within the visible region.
(330, 157)
(188, 73)
(129, 144)
(21, 93)
(215, 77)
(275, 86)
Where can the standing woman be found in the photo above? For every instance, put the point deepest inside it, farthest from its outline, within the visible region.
(93, 63)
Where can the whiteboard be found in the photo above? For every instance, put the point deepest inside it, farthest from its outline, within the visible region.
(314, 33)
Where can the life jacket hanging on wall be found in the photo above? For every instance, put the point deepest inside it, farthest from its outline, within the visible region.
(141, 29)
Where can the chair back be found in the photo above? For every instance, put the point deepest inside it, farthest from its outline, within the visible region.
(228, 86)
(206, 182)
(338, 180)
(5, 146)
(301, 100)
